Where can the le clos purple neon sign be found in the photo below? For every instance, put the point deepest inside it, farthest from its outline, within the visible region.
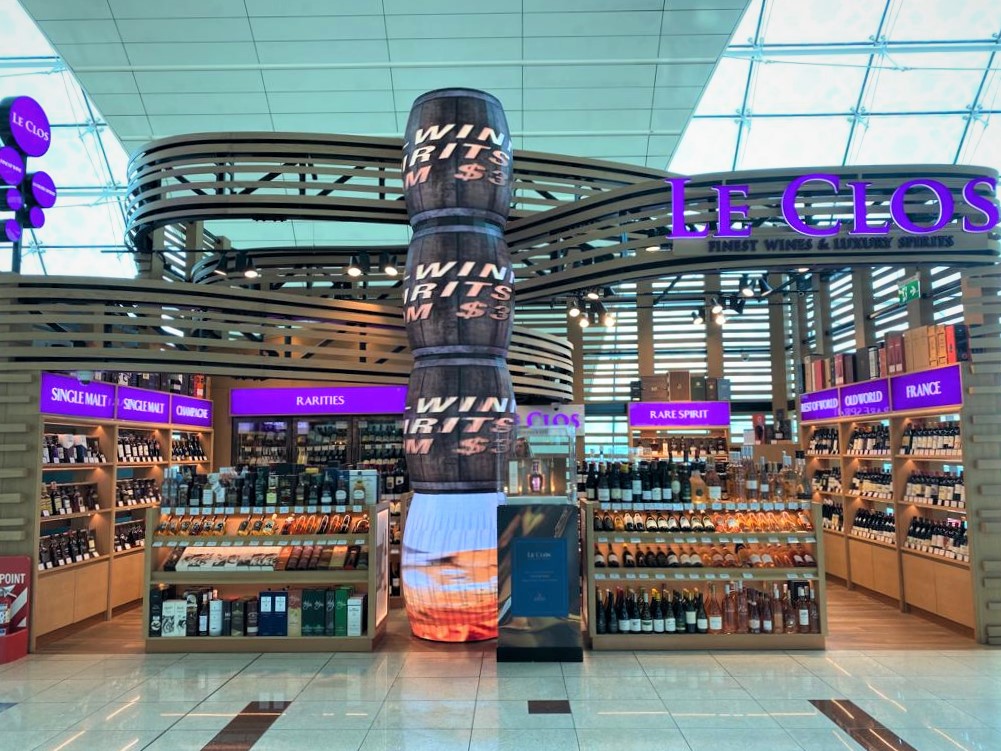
(731, 212)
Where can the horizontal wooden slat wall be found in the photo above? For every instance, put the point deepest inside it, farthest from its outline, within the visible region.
(981, 427)
(53, 323)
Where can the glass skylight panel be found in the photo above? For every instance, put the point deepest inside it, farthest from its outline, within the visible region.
(942, 20)
(793, 142)
(808, 83)
(707, 146)
(931, 139)
(823, 21)
(929, 82)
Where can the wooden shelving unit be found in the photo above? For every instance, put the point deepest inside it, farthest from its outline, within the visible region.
(97, 586)
(933, 583)
(681, 578)
(373, 580)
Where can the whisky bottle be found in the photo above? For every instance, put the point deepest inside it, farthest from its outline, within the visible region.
(536, 480)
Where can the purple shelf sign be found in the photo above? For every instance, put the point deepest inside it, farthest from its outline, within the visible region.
(929, 389)
(186, 410)
(866, 398)
(64, 395)
(322, 400)
(11, 165)
(140, 405)
(820, 405)
(679, 414)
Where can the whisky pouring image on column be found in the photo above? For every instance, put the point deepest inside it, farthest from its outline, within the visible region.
(458, 303)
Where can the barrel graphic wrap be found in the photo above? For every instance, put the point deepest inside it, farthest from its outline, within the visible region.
(458, 303)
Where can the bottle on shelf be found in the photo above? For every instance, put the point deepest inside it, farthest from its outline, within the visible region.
(823, 442)
(875, 525)
(946, 489)
(932, 439)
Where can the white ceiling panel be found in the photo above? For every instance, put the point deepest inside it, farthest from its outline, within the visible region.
(83, 55)
(79, 31)
(488, 79)
(332, 101)
(210, 53)
(584, 120)
(591, 47)
(587, 98)
(380, 123)
(338, 51)
(712, 20)
(564, 76)
(306, 79)
(318, 28)
(201, 81)
(455, 50)
(608, 23)
(159, 68)
(185, 30)
(167, 125)
(109, 83)
(240, 103)
(66, 10)
(145, 9)
(445, 7)
(453, 25)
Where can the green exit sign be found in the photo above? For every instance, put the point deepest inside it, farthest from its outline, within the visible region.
(908, 290)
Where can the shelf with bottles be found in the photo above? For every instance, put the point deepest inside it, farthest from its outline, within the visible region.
(319, 443)
(190, 447)
(79, 541)
(260, 443)
(680, 446)
(878, 527)
(615, 555)
(136, 491)
(66, 500)
(777, 610)
(941, 539)
(129, 534)
(341, 617)
(932, 438)
(832, 515)
(73, 447)
(705, 521)
(140, 447)
(822, 442)
(934, 507)
(868, 439)
(194, 526)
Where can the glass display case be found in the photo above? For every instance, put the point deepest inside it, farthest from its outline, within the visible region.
(543, 466)
(323, 442)
(261, 442)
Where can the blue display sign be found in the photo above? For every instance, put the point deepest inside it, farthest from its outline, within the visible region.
(539, 584)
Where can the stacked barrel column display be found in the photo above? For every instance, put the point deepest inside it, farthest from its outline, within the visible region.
(458, 302)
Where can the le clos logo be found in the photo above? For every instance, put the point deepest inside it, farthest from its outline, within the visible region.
(732, 213)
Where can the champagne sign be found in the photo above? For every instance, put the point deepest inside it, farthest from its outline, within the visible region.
(186, 410)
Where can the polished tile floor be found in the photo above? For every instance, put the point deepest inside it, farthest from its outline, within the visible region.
(933, 700)
(94, 690)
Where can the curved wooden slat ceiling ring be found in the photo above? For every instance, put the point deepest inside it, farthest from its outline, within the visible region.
(132, 312)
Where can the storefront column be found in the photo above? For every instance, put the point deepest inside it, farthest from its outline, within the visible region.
(777, 347)
(644, 328)
(823, 346)
(714, 333)
(865, 325)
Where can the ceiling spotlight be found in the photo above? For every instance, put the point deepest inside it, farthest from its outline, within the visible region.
(608, 319)
(746, 288)
(573, 307)
(592, 294)
(764, 288)
(584, 323)
(720, 318)
(607, 292)
(388, 264)
(221, 266)
(803, 269)
(698, 317)
(715, 305)
(737, 305)
(360, 264)
(245, 265)
(652, 248)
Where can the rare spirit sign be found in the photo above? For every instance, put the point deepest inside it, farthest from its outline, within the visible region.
(670, 415)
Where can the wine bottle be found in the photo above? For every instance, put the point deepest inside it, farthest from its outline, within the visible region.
(753, 615)
(646, 617)
(701, 617)
(601, 621)
(670, 616)
(656, 613)
(691, 615)
(612, 616)
(714, 612)
(634, 613)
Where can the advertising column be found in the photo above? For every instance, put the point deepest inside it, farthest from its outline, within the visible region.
(458, 302)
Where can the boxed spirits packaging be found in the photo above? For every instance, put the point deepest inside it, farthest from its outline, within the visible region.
(698, 388)
(681, 386)
(356, 615)
(341, 595)
(239, 627)
(295, 613)
(174, 618)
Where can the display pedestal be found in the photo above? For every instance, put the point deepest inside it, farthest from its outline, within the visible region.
(13, 646)
(538, 559)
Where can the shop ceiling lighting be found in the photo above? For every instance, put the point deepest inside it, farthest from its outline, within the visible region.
(245, 265)
(360, 264)
(698, 317)
(592, 294)
(746, 288)
(764, 288)
(221, 266)
(584, 323)
(715, 306)
(720, 318)
(573, 307)
(608, 319)
(389, 265)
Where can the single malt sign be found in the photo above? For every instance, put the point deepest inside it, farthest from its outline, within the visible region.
(458, 306)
